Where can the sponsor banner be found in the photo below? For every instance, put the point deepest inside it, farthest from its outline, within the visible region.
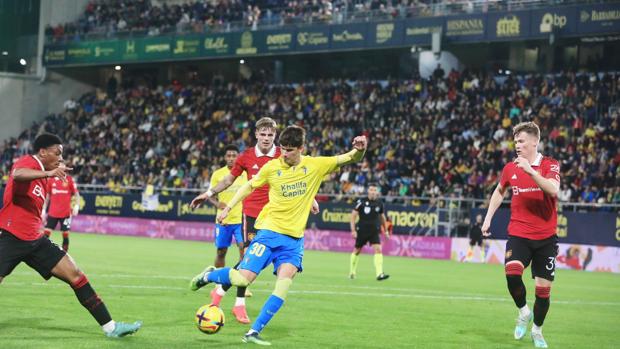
(312, 38)
(418, 220)
(558, 20)
(315, 239)
(245, 43)
(386, 34)
(508, 26)
(349, 36)
(155, 48)
(604, 18)
(570, 256)
(275, 41)
(152, 228)
(589, 228)
(215, 45)
(465, 28)
(54, 55)
(420, 31)
(187, 46)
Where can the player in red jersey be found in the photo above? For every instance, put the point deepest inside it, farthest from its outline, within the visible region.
(60, 193)
(21, 240)
(250, 162)
(534, 181)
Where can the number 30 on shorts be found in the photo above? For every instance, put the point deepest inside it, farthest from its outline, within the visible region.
(257, 250)
(551, 264)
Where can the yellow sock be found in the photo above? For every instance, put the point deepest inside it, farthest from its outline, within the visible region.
(482, 253)
(378, 264)
(354, 259)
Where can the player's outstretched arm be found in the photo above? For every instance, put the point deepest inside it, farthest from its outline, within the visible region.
(494, 203)
(226, 182)
(241, 194)
(355, 155)
(28, 174)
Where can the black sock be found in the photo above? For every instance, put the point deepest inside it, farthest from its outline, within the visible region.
(226, 287)
(91, 301)
(65, 241)
(241, 291)
(541, 305)
(516, 289)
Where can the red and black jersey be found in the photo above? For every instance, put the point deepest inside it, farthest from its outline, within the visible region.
(23, 202)
(533, 213)
(250, 162)
(60, 193)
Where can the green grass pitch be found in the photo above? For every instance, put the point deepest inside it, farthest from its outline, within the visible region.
(425, 303)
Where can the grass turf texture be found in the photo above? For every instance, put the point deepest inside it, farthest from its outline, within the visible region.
(425, 303)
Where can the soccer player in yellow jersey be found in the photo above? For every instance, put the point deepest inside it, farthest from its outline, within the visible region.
(293, 181)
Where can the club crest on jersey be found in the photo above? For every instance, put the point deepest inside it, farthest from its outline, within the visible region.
(366, 210)
(514, 176)
(508, 254)
(279, 173)
(305, 169)
(255, 167)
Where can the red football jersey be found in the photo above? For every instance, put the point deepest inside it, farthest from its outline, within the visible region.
(23, 202)
(534, 214)
(60, 194)
(250, 161)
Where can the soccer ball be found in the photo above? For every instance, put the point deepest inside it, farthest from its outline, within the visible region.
(209, 318)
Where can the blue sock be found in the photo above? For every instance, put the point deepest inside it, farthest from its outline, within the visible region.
(220, 276)
(270, 308)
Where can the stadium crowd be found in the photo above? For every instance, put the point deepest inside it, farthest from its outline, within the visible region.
(113, 17)
(427, 137)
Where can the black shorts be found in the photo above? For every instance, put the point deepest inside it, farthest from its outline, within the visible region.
(367, 235)
(41, 255)
(52, 222)
(475, 240)
(541, 253)
(249, 232)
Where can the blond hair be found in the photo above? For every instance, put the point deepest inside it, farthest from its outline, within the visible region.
(266, 122)
(527, 127)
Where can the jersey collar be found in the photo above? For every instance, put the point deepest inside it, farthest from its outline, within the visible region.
(538, 159)
(39, 161)
(271, 153)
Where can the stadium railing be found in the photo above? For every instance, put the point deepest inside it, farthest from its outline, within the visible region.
(277, 18)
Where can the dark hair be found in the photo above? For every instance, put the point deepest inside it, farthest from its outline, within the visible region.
(293, 136)
(373, 184)
(45, 140)
(231, 147)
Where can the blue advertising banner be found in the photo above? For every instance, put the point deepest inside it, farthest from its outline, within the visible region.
(589, 228)
(312, 38)
(558, 20)
(604, 18)
(508, 26)
(419, 31)
(465, 28)
(276, 41)
(348, 36)
(386, 34)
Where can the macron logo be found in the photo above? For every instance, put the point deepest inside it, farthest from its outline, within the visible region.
(514, 176)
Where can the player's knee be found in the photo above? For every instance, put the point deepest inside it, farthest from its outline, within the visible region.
(514, 269)
(221, 252)
(78, 280)
(238, 279)
(282, 287)
(1, 278)
(543, 292)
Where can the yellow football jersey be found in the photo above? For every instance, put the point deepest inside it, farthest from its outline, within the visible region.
(291, 192)
(234, 217)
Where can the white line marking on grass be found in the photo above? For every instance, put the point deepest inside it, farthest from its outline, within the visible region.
(333, 293)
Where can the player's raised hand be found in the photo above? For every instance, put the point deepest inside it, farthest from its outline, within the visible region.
(198, 200)
(523, 164)
(220, 217)
(60, 172)
(486, 226)
(360, 143)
